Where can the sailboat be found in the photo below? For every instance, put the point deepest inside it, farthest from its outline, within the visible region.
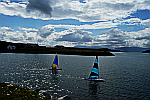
(94, 75)
(55, 63)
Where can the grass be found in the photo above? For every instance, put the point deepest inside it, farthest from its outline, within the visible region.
(13, 92)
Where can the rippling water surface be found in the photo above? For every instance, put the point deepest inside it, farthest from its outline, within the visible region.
(126, 75)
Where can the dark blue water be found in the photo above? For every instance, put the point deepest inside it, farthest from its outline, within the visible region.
(126, 75)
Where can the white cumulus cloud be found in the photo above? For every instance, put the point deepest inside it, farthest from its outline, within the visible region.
(93, 10)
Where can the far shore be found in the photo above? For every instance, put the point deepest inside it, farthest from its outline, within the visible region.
(29, 48)
(66, 52)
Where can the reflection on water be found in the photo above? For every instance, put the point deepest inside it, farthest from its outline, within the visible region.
(54, 72)
(54, 83)
(93, 89)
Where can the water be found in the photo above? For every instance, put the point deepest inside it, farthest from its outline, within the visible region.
(126, 75)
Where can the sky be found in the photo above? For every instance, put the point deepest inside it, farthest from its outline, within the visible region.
(76, 23)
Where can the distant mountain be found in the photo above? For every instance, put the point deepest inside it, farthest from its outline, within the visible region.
(146, 51)
(132, 49)
(122, 49)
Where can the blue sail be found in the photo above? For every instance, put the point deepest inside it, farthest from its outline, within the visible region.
(55, 62)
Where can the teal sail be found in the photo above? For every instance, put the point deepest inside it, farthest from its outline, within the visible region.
(95, 73)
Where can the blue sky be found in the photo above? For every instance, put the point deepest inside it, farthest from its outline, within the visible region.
(90, 23)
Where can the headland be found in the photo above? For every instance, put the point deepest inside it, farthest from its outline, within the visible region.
(30, 48)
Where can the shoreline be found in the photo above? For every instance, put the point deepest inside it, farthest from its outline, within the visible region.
(83, 53)
(29, 48)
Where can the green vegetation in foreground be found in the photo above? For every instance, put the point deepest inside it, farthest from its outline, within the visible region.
(8, 91)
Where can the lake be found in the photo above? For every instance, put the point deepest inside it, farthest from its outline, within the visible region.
(127, 75)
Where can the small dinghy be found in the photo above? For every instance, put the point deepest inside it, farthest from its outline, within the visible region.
(94, 75)
(55, 64)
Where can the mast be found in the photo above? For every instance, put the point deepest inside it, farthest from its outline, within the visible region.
(98, 65)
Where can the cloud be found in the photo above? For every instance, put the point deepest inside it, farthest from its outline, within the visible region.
(93, 10)
(147, 44)
(8, 34)
(6, 29)
(121, 6)
(40, 5)
(12, 9)
(143, 35)
(115, 33)
(140, 33)
(98, 25)
(112, 38)
(146, 23)
(45, 31)
(97, 10)
(29, 29)
(46, 35)
(90, 11)
(43, 35)
(76, 36)
(140, 38)
(147, 2)
(132, 21)
(21, 9)
(115, 38)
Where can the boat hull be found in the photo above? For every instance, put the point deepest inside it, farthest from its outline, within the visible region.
(55, 69)
(89, 79)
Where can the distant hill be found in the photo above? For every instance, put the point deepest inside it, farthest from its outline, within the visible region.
(122, 49)
(132, 49)
(146, 51)
(9, 47)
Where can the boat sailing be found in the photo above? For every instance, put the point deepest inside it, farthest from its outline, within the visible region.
(94, 75)
(55, 63)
